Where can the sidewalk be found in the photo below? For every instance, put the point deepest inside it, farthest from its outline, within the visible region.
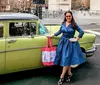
(79, 21)
(82, 18)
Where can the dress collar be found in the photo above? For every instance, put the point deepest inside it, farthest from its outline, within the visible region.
(64, 24)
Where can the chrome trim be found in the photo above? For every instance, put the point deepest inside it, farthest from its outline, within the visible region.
(11, 41)
(91, 52)
(35, 47)
(24, 49)
(2, 51)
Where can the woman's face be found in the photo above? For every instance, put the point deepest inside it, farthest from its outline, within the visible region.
(68, 17)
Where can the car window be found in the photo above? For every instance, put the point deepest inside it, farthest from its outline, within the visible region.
(33, 27)
(22, 28)
(42, 29)
(1, 30)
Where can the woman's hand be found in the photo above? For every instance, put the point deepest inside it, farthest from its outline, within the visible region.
(51, 36)
(77, 38)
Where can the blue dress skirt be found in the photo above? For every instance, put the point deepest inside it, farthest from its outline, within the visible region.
(68, 53)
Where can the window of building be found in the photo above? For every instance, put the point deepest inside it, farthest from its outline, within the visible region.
(22, 28)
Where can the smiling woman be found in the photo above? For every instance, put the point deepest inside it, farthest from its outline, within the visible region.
(68, 50)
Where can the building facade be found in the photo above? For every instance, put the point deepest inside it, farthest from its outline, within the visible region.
(68, 4)
(59, 5)
(15, 5)
(20, 5)
(11, 5)
(4, 5)
(95, 5)
(80, 4)
(86, 3)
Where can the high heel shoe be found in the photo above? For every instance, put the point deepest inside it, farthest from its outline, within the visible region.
(61, 81)
(68, 78)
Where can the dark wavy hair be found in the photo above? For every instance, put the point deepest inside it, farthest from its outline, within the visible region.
(74, 24)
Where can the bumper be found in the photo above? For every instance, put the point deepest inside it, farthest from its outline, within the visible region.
(91, 52)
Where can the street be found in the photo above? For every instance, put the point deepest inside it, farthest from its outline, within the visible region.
(86, 74)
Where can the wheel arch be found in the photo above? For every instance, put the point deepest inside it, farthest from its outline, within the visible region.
(83, 49)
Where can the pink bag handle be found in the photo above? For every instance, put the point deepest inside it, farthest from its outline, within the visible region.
(49, 42)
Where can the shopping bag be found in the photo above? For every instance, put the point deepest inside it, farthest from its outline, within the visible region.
(48, 53)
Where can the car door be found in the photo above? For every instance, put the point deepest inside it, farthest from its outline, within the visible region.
(2, 48)
(23, 46)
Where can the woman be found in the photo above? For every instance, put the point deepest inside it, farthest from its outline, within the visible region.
(68, 51)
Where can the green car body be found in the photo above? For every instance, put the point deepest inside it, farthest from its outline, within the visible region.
(22, 37)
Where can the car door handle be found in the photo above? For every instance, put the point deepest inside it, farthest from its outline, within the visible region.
(11, 41)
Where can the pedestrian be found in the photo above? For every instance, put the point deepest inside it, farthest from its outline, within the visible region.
(68, 50)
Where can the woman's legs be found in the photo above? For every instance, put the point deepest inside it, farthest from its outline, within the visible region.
(65, 68)
(60, 82)
(69, 70)
(69, 74)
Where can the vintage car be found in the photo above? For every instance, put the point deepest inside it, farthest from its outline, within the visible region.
(21, 38)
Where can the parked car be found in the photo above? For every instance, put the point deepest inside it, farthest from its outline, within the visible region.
(21, 38)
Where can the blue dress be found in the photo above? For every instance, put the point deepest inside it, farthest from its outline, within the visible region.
(68, 53)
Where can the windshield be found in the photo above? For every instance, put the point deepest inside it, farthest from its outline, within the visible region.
(42, 29)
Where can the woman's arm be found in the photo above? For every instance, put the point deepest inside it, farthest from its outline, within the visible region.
(81, 32)
(57, 33)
